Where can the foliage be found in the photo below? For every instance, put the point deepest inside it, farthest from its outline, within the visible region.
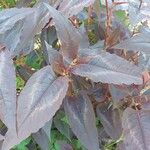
(74, 75)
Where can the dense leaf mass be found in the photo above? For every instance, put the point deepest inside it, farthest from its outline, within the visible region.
(74, 74)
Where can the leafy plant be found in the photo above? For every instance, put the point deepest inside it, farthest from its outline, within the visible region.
(81, 71)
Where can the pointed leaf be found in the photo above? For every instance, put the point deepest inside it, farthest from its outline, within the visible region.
(42, 137)
(14, 24)
(136, 129)
(7, 89)
(139, 42)
(118, 93)
(67, 34)
(42, 96)
(62, 126)
(101, 67)
(82, 120)
(48, 35)
(47, 128)
(55, 59)
(111, 121)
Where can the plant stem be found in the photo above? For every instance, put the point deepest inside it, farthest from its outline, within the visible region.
(107, 21)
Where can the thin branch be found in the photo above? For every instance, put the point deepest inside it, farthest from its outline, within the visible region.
(107, 21)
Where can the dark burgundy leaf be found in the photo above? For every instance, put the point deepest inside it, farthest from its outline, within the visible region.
(136, 129)
(111, 120)
(14, 24)
(49, 35)
(62, 126)
(139, 42)
(42, 137)
(67, 34)
(103, 66)
(55, 59)
(42, 96)
(82, 120)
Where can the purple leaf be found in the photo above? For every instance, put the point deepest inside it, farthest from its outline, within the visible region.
(42, 137)
(73, 7)
(14, 24)
(42, 96)
(82, 120)
(48, 35)
(53, 54)
(7, 89)
(139, 42)
(55, 59)
(67, 34)
(92, 50)
(101, 67)
(65, 146)
(111, 121)
(84, 43)
(118, 93)
(62, 127)
(136, 129)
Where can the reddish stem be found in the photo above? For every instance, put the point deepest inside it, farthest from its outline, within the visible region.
(107, 21)
(90, 9)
